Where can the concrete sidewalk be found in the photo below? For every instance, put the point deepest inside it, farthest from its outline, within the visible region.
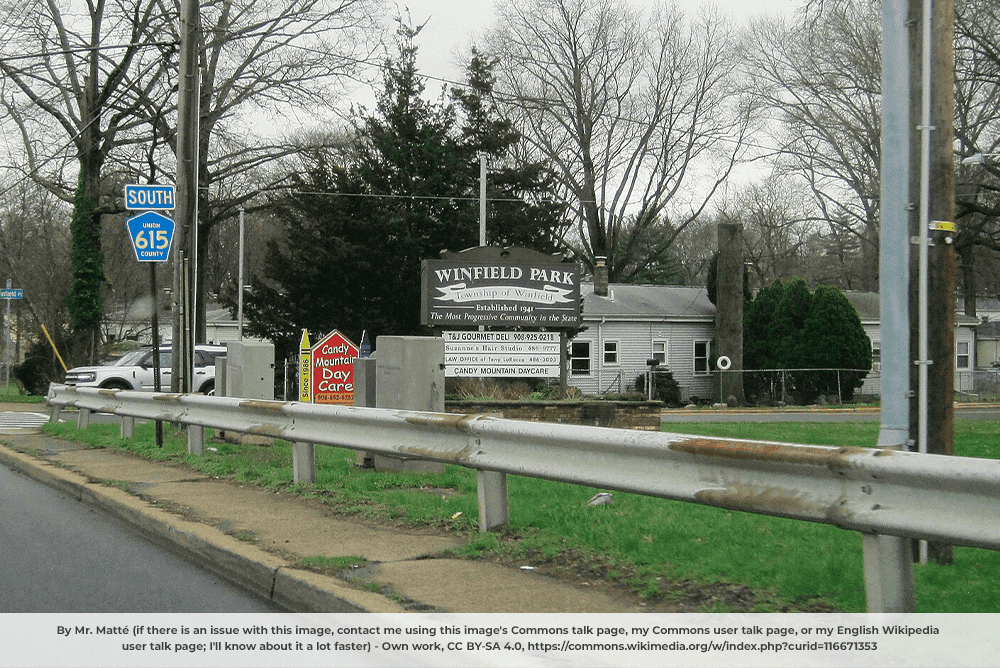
(252, 536)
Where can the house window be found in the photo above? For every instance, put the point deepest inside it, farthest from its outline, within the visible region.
(701, 358)
(962, 362)
(660, 352)
(876, 355)
(611, 352)
(579, 358)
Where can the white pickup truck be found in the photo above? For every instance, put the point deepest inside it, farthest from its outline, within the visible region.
(134, 371)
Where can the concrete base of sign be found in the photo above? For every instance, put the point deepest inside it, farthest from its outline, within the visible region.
(409, 375)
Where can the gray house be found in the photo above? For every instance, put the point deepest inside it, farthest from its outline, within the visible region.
(867, 306)
(626, 325)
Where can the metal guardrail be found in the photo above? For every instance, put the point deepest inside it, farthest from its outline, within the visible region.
(933, 497)
(882, 493)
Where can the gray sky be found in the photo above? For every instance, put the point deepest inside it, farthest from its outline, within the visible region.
(453, 23)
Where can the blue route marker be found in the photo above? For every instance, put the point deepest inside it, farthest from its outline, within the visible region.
(151, 234)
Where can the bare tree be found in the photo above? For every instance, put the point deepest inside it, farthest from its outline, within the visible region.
(74, 77)
(977, 131)
(820, 74)
(34, 251)
(777, 228)
(269, 67)
(91, 87)
(643, 117)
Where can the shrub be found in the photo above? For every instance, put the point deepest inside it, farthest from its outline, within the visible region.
(666, 388)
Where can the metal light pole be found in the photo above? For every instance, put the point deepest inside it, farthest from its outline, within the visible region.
(239, 298)
(887, 562)
(979, 158)
(482, 199)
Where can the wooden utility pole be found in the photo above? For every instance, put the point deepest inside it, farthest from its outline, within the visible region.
(932, 193)
(187, 193)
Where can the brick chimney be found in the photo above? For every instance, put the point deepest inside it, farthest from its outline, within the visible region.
(601, 276)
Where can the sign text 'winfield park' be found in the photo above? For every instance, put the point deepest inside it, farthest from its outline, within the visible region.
(501, 288)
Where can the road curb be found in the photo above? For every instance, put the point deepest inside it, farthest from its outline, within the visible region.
(242, 564)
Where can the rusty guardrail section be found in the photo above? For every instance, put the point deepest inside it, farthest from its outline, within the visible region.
(952, 499)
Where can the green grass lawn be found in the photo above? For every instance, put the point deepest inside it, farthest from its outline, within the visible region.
(11, 394)
(642, 542)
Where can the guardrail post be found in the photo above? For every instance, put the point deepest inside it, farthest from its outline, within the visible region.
(55, 414)
(127, 426)
(888, 573)
(494, 509)
(83, 418)
(304, 462)
(365, 369)
(196, 439)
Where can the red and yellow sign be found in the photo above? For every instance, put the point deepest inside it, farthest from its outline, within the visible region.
(332, 369)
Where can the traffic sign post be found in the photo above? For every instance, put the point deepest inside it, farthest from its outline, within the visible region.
(151, 234)
(8, 293)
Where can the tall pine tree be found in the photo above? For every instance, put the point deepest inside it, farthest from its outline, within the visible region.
(359, 221)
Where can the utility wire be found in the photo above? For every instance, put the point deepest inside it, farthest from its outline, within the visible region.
(88, 49)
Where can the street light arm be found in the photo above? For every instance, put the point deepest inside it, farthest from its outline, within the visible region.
(978, 158)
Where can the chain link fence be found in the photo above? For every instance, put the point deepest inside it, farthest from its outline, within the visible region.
(765, 387)
(978, 385)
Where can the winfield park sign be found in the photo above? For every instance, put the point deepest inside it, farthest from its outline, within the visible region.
(497, 287)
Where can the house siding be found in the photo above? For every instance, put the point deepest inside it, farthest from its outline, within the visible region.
(635, 347)
(964, 378)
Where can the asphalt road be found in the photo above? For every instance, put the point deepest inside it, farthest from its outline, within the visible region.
(58, 555)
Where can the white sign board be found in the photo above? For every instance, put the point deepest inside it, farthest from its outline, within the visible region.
(501, 354)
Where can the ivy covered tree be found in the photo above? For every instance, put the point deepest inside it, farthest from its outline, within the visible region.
(404, 187)
(788, 327)
(86, 307)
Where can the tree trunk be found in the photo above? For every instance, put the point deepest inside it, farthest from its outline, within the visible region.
(967, 255)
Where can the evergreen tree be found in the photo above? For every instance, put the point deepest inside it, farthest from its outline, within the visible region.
(520, 210)
(360, 221)
(789, 327)
(832, 337)
(327, 272)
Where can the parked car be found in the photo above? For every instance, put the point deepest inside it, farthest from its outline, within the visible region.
(134, 371)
